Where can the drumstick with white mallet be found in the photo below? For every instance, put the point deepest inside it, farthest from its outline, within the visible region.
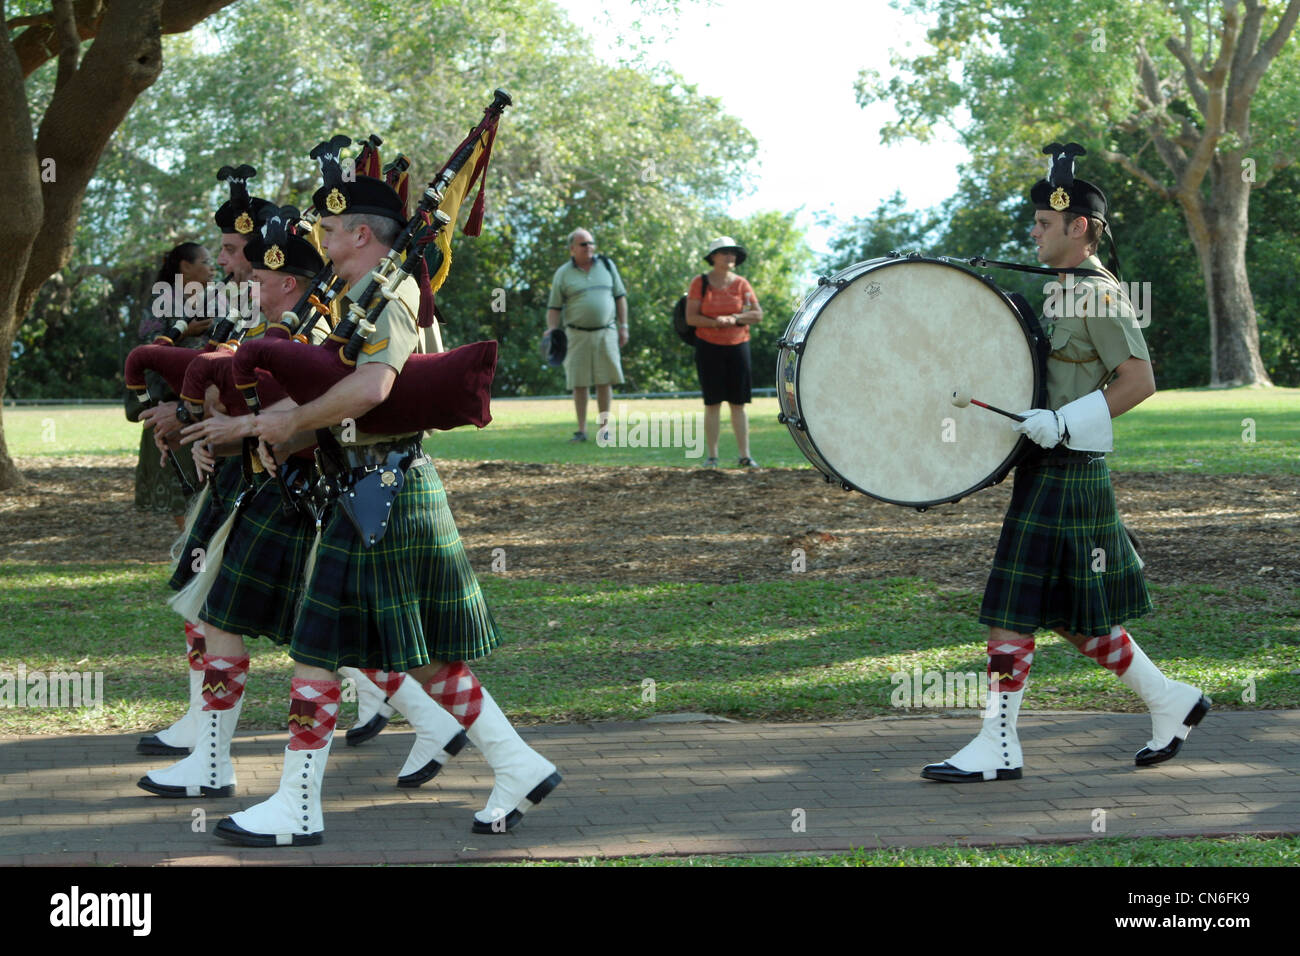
(961, 398)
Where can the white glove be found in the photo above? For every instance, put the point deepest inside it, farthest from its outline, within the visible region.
(1042, 425)
(1087, 423)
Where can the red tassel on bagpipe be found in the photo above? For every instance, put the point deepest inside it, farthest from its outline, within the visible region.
(474, 224)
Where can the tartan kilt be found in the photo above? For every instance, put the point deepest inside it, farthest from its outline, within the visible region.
(1043, 577)
(411, 599)
(258, 587)
(222, 489)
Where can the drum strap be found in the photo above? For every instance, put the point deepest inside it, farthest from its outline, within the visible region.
(979, 262)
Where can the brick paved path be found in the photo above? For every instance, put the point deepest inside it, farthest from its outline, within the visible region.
(643, 788)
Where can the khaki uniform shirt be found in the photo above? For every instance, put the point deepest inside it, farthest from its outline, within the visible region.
(1093, 330)
(395, 338)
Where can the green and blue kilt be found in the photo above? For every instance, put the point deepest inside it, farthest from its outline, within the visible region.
(258, 586)
(223, 488)
(409, 600)
(1063, 560)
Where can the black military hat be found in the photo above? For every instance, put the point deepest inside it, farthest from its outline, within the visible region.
(355, 194)
(278, 248)
(1061, 191)
(238, 214)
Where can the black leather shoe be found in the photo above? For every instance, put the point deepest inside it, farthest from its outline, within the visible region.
(367, 731)
(1146, 757)
(947, 773)
(430, 769)
(151, 746)
(535, 796)
(228, 829)
(180, 793)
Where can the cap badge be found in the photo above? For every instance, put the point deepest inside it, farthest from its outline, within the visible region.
(335, 202)
(1059, 200)
(244, 224)
(273, 258)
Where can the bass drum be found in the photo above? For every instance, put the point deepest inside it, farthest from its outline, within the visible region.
(868, 366)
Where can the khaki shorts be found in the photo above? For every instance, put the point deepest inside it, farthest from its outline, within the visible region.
(592, 358)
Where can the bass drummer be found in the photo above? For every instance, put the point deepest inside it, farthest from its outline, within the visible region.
(1063, 561)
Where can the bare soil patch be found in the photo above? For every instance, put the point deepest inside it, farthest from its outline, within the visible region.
(646, 525)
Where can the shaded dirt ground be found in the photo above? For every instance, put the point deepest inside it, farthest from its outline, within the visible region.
(645, 525)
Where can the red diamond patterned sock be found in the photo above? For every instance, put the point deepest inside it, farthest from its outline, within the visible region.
(313, 711)
(197, 644)
(1009, 662)
(387, 681)
(1113, 651)
(223, 681)
(458, 691)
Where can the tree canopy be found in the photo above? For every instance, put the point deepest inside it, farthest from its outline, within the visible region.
(635, 155)
(1195, 102)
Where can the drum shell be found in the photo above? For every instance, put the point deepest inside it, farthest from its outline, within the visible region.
(883, 344)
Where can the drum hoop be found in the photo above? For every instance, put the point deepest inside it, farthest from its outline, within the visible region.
(1018, 451)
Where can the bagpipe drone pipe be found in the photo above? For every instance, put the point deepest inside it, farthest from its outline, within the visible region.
(433, 392)
(325, 286)
(163, 357)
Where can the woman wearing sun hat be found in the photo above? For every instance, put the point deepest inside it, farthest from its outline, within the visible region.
(722, 306)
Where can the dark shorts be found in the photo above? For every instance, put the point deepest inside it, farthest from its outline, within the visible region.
(724, 372)
(1063, 560)
(411, 599)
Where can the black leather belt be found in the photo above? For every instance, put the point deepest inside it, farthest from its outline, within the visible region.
(1060, 456)
(372, 456)
(583, 328)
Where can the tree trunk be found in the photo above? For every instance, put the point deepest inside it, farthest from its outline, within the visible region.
(24, 211)
(1234, 327)
(89, 103)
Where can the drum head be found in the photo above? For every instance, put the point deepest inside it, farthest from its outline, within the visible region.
(878, 370)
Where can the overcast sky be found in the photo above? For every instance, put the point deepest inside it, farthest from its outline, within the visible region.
(787, 70)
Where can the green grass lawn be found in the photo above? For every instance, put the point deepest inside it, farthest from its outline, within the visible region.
(1207, 431)
(1103, 851)
(796, 649)
(777, 650)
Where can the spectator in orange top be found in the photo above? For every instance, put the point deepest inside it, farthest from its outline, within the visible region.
(722, 309)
